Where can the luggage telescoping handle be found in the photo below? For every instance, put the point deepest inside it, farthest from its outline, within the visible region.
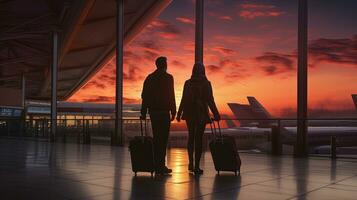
(141, 127)
(219, 129)
(214, 131)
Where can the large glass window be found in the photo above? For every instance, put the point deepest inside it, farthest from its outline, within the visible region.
(250, 50)
(171, 34)
(332, 57)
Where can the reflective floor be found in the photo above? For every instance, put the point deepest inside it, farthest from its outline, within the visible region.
(38, 170)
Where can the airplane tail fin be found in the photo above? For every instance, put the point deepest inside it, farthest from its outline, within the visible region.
(354, 97)
(247, 113)
(261, 113)
(258, 108)
(242, 112)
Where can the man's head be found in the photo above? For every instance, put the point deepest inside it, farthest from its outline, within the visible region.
(161, 63)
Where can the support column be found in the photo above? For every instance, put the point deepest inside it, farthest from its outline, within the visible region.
(54, 68)
(23, 115)
(23, 87)
(301, 140)
(117, 137)
(199, 31)
(23, 122)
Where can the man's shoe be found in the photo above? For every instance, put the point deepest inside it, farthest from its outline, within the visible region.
(159, 172)
(198, 171)
(190, 167)
(166, 170)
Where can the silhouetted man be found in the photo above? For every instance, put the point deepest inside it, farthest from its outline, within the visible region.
(158, 97)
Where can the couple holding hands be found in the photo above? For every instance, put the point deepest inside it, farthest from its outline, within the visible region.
(158, 99)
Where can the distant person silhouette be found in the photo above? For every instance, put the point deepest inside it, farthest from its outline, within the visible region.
(158, 97)
(196, 99)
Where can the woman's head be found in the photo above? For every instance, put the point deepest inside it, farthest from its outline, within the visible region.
(198, 71)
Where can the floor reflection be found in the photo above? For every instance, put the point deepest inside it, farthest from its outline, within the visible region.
(301, 170)
(229, 182)
(39, 170)
(333, 168)
(147, 186)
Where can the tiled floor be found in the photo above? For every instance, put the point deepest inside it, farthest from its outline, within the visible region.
(38, 170)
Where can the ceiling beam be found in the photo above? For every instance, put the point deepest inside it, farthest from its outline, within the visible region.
(5, 1)
(78, 15)
(63, 89)
(36, 67)
(22, 35)
(30, 47)
(72, 68)
(74, 27)
(135, 27)
(5, 62)
(27, 22)
(18, 75)
(67, 79)
(87, 48)
(99, 19)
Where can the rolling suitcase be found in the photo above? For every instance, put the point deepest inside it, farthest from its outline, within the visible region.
(224, 152)
(142, 152)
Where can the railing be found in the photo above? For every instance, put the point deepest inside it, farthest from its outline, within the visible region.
(326, 136)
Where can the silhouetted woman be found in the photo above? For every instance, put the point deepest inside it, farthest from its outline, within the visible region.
(196, 99)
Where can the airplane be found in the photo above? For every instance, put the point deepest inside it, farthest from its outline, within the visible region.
(256, 131)
(319, 131)
(255, 114)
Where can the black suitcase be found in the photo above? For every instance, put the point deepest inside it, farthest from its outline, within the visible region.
(224, 152)
(142, 152)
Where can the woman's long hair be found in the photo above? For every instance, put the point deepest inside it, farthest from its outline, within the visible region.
(198, 71)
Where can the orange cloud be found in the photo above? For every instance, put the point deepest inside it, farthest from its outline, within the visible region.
(219, 16)
(276, 63)
(257, 6)
(224, 51)
(340, 50)
(164, 28)
(185, 20)
(226, 18)
(252, 11)
(213, 68)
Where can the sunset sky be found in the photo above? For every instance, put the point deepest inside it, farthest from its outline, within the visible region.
(250, 50)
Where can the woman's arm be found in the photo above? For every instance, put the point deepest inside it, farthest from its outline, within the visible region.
(211, 103)
(183, 99)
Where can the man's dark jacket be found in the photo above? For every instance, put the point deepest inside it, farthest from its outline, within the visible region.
(158, 93)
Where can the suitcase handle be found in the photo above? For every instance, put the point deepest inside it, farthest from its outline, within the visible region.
(214, 131)
(219, 129)
(141, 127)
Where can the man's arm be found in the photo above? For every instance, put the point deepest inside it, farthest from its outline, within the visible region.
(144, 99)
(172, 99)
